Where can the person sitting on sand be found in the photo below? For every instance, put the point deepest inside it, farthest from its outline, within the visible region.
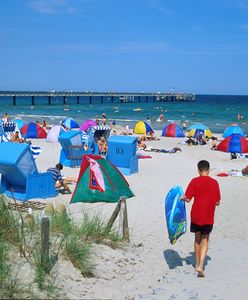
(141, 145)
(206, 193)
(15, 138)
(59, 181)
(190, 141)
(102, 145)
(150, 136)
(214, 143)
(45, 125)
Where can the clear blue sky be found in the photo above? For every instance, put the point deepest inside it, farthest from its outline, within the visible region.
(198, 46)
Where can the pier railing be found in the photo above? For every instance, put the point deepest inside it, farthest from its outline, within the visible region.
(68, 97)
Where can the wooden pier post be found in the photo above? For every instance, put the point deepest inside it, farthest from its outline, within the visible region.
(14, 100)
(64, 100)
(112, 99)
(90, 98)
(32, 100)
(49, 100)
(138, 98)
(101, 99)
(146, 98)
(78, 99)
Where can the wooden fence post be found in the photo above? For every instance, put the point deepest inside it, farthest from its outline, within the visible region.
(114, 215)
(45, 227)
(121, 218)
(125, 223)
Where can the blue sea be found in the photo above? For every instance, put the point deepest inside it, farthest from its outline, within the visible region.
(215, 111)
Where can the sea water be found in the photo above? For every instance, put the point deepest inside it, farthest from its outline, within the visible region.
(215, 111)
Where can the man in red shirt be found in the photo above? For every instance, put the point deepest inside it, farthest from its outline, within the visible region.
(206, 193)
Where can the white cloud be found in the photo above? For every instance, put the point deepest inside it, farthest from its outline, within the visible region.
(53, 6)
(157, 5)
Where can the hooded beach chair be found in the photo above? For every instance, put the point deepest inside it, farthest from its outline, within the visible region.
(72, 148)
(122, 153)
(20, 178)
(7, 129)
(95, 132)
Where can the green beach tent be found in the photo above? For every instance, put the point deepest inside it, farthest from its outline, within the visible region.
(99, 181)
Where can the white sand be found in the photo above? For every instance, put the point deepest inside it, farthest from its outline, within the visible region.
(150, 267)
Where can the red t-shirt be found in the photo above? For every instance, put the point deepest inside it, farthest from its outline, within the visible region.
(206, 193)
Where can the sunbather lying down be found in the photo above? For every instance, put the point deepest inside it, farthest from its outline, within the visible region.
(173, 150)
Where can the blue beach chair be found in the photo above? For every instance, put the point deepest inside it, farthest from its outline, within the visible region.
(20, 178)
(72, 148)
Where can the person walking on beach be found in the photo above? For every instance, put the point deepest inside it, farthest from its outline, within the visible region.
(206, 193)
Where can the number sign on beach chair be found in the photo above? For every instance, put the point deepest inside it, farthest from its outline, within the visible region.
(122, 153)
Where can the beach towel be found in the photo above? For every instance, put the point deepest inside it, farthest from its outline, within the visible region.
(143, 156)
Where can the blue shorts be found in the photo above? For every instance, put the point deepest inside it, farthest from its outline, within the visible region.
(204, 229)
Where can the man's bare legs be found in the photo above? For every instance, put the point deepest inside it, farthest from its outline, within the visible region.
(201, 248)
(64, 185)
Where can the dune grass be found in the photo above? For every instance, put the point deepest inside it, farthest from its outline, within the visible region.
(68, 241)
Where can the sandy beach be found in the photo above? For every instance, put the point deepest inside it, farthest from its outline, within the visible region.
(149, 267)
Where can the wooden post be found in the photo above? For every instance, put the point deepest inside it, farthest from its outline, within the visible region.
(101, 99)
(125, 223)
(32, 100)
(114, 215)
(78, 99)
(14, 100)
(121, 219)
(45, 227)
(49, 100)
(121, 210)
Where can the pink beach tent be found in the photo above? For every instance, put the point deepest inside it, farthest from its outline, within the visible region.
(87, 124)
(54, 133)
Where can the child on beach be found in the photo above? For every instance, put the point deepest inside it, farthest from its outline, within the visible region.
(206, 193)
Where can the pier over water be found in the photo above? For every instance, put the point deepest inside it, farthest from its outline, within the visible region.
(64, 97)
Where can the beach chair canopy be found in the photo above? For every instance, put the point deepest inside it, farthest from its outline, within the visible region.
(19, 174)
(233, 129)
(69, 123)
(54, 133)
(173, 130)
(100, 181)
(95, 132)
(235, 143)
(33, 130)
(7, 130)
(142, 127)
(72, 148)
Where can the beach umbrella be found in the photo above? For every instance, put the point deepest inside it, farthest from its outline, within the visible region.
(234, 128)
(235, 143)
(142, 127)
(196, 129)
(87, 124)
(19, 122)
(54, 133)
(33, 130)
(69, 123)
(172, 130)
